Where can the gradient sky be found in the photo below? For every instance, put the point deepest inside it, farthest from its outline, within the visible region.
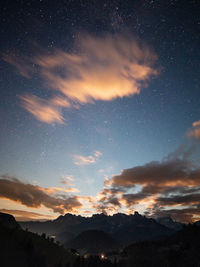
(100, 108)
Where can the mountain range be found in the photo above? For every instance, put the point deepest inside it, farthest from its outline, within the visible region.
(22, 248)
(122, 229)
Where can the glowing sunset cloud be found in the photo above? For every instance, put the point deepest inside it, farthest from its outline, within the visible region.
(22, 215)
(35, 196)
(42, 109)
(105, 68)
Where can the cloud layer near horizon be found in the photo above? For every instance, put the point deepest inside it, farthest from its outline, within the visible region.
(34, 196)
(21, 215)
(161, 186)
(104, 68)
(170, 187)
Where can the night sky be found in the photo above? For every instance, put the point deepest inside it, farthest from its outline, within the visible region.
(100, 108)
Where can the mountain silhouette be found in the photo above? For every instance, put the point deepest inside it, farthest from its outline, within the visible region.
(125, 229)
(25, 249)
(168, 222)
(8, 220)
(93, 241)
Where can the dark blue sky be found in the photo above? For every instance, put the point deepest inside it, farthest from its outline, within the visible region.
(90, 88)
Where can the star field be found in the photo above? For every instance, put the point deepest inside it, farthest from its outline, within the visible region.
(112, 85)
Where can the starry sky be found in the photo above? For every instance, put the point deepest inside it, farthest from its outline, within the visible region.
(100, 108)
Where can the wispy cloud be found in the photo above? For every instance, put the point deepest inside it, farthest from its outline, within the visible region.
(104, 68)
(57, 189)
(21, 64)
(67, 180)
(43, 110)
(82, 160)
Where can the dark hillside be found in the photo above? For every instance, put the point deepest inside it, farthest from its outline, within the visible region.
(26, 249)
(180, 250)
(93, 241)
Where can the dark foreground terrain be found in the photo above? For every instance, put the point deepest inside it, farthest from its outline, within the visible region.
(119, 230)
(25, 249)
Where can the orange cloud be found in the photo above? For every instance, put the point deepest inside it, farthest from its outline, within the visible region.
(194, 132)
(57, 189)
(81, 160)
(21, 215)
(196, 123)
(42, 109)
(155, 175)
(36, 196)
(173, 182)
(104, 68)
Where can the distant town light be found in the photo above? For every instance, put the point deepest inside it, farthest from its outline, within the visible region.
(102, 256)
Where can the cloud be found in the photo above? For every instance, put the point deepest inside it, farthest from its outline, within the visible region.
(170, 187)
(184, 215)
(108, 200)
(157, 186)
(67, 180)
(183, 151)
(35, 196)
(82, 160)
(179, 200)
(57, 189)
(186, 199)
(103, 68)
(132, 199)
(164, 173)
(21, 64)
(41, 109)
(21, 215)
(196, 123)
(194, 132)
(97, 154)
